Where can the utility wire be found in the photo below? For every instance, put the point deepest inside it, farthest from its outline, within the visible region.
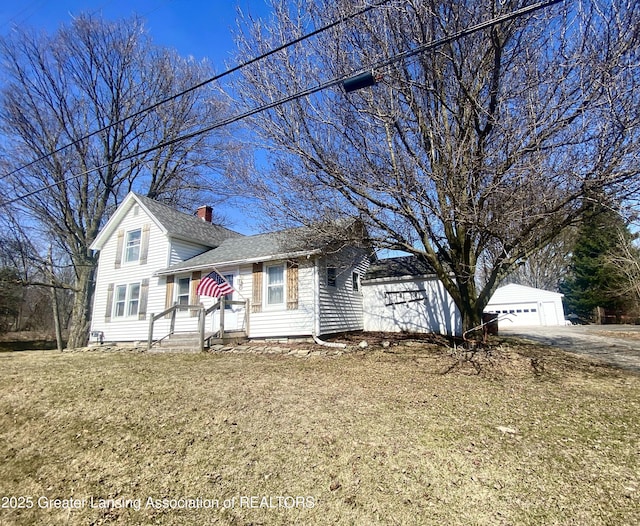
(310, 91)
(205, 82)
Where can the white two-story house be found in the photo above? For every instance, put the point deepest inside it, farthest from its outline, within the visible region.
(285, 284)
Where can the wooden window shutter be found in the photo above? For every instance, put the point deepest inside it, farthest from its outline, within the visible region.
(168, 300)
(119, 247)
(107, 314)
(144, 244)
(144, 297)
(256, 300)
(194, 299)
(292, 285)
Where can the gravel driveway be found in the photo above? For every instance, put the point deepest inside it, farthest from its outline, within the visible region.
(617, 345)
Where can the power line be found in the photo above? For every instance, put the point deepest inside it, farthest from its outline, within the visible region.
(204, 83)
(310, 91)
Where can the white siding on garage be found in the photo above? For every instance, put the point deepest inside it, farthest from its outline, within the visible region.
(409, 305)
(518, 306)
(129, 328)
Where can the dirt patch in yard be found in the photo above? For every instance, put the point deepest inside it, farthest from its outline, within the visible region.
(412, 432)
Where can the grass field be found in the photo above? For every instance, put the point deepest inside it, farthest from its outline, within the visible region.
(397, 435)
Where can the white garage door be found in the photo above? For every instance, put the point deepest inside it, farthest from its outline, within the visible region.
(515, 315)
(550, 315)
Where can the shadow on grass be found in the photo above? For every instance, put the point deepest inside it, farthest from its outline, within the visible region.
(27, 345)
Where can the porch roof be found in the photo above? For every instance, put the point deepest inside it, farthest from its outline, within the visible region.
(285, 244)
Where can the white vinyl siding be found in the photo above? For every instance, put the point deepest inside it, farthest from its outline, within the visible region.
(340, 306)
(279, 321)
(182, 250)
(130, 328)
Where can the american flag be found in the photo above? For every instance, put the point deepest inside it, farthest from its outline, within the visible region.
(213, 285)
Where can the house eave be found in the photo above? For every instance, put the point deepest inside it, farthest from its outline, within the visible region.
(396, 279)
(246, 261)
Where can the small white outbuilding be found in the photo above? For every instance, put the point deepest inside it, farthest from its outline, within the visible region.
(403, 295)
(519, 305)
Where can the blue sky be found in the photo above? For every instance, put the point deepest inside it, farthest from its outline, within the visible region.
(193, 27)
(200, 28)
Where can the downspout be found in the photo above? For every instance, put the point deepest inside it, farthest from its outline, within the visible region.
(316, 300)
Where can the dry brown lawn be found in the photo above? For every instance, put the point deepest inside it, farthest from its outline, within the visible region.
(397, 435)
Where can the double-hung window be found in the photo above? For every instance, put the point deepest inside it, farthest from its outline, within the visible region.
(127, 300)
(133, 301)
(120, 301)
(275, 285)
(132, 246)
(182, 293)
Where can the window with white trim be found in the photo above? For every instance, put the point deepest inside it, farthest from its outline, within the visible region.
(183, 288)
(120, 301)
(228, 297)
(126, 300)
(275, 284)
(133, 300)
(132, 246)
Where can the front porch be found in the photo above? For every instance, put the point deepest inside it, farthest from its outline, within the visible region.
(232, 325)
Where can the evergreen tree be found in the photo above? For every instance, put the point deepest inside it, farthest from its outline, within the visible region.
(592, 280)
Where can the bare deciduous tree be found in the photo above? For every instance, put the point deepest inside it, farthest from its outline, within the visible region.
(626, 262)
(83, 80)
(478, 150)
(545, 268)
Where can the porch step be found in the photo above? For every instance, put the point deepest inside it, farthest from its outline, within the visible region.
(190, 341)
(230, 337)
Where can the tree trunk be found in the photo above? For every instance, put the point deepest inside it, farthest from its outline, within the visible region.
(56, 319)
(54, 304)
(470, 316)
(82, 300)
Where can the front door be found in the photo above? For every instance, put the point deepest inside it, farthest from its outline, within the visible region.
(233, 314)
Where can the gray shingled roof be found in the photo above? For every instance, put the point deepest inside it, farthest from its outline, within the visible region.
(259, 247)
(398, 267)
(184, 226)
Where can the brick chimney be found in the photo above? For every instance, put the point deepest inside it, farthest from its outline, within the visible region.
(205, 213)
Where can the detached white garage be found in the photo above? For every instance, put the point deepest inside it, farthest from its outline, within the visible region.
(518, 306)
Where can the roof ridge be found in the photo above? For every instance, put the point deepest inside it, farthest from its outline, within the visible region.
(189, 217)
